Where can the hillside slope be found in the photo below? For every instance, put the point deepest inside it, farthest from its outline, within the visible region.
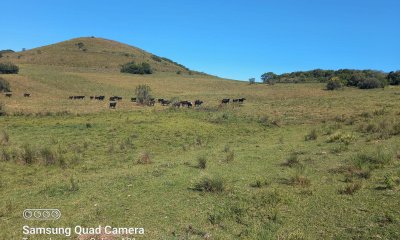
(93, 53)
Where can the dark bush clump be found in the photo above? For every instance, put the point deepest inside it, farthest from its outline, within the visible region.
(334, 84)
(394, 78)
(133, 68)
(8, 68)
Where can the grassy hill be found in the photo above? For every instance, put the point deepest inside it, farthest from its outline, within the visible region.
(93, 53)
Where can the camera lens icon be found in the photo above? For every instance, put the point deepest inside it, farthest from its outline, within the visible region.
(41, 214)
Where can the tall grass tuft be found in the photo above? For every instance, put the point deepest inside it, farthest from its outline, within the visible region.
(313, 135)
(210, 184)
(144, 158)
(202, 162)
(28, 154)
(230, 156)
(373, 159)
(292, 160)
(4, 137)
(351, 189)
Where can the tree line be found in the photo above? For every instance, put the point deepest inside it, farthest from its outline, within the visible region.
(363, 79)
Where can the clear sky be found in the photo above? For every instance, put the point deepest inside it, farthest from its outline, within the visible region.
(237, 39)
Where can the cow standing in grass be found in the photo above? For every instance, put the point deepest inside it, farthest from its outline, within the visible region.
(198, 103)
(8, 95)
(113, 105)
(165, 102)
(225, 100)
(27, 94)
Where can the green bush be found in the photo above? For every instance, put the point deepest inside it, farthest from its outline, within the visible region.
(394, 78)
(8, 68)
(370, 83)
(4, 85)
(133, 68)
(334, 84)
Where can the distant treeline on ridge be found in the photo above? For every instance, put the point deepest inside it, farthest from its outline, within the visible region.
(363, 79)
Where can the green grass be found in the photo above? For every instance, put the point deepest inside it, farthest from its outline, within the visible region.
(219, 171)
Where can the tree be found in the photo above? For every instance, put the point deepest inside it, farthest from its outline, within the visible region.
(252, 80)
(4, 85)
(132, 67)
(269, 78)
(394, 78)
(334, 84)
(143, 94)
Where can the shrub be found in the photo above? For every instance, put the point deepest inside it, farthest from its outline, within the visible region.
(312, 135)
(144, 158)
(370, 83)
(334, 84)
(48, 156)
(4, 137)
(373, 159)
(202, 162)
(73, 185)
(292, 160)
(389, 182)
(208, 184)
(4, 85)
(230, 156)
(8, 68)
(299, 180)
(394, 78)
(340, 137)
(351, 188)
(133, 68)
(143, 94)
(28, 154)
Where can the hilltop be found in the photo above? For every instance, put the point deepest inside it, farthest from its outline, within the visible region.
(91, 52)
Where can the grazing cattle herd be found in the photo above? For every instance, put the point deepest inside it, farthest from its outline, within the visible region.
(151, 102)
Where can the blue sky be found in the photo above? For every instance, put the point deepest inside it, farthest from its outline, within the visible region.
(236, 39)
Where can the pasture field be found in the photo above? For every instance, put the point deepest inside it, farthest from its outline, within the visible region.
(293, 162)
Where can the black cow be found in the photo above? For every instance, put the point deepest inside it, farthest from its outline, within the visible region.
(91, 97)
(133, 99)
(8, 95)
(160, 100)
(186, 104)
(71, 97)
(27, 94)
(113, 105)
(101, 98)
(78, 97)
(165, 102)
(225, 100)
(112, 99)
(151, 102)
(241, 100)
(197, 103)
